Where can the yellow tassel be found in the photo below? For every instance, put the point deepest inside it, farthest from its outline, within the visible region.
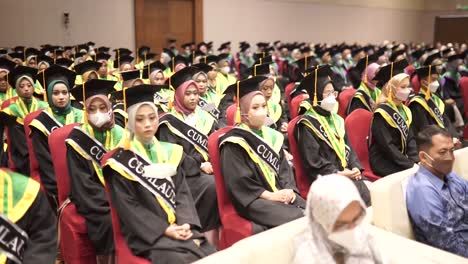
(126, 143)
(428, 90)
(45, 88)
(237, 119)
(315, 101)
(365, 69)
(85, 116)
(169, 104)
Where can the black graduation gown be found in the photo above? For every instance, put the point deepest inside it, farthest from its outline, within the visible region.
(319, 159)
(202, 186)
(90, 198)
(46, 168)
(385, 155)
(422, 118)
(39, 223)
(451, 89)
(19, 148)
(245, 183)
(143, 221)
(354, 104)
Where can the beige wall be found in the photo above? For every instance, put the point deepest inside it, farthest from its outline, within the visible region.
(35, 22)
(364, 21)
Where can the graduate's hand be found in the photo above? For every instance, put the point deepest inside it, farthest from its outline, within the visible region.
(285, 196)
(458, 144)
(346, 172)
(284, 127)
(450, 101)
(178, 232)
(207, 168)
(288, 155)
(356, 174)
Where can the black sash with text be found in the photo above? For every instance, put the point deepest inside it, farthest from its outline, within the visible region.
(399, 121)
(321, 132)
(436, 111)
(214, 112)
(190, 133)
(48, 122)
(260, 147)
(89, 146)
(134, 165)
(13, 240)
(366, 98)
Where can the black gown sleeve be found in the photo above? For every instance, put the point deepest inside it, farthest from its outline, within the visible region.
(89, 196)
(420, 117)
(40, 224)
(286, 176)
(310, 153)
(239, 175)
(355, 104)
(382, 137)
(19, 148)
(46, 168)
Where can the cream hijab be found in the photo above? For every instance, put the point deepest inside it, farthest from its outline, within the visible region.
(328, 197)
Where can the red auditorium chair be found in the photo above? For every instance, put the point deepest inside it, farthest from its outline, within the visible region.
(410, 69)
(343, 101)
(415, 84)
(75, 245)
(296, 103)
(123, 253)
(287, 92)
(234, 227)
(357, 126)
(231, 114)
(11, 164)
(302, 181)
(33, 163)
(464, 89)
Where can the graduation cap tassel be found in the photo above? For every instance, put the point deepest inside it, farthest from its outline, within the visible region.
(237, 120)
(255, 70)
(428, 90)
(305, 63)
(172, 63)
(126, 143)
(315, 103)
(118, 58)
(45, 88)
(85, 116)
(365, 69)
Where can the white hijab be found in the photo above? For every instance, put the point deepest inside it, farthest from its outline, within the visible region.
(328, 197)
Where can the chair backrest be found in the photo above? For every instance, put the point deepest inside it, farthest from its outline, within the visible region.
(464, 89)
(123, 252)
(287, 92)
(224, 201)
(58, 152)
(357, 126)
(231, 114)
(33, 163)
(302, 181)
(410, 69)
(295, 104)
(415, 84)
(343, 100)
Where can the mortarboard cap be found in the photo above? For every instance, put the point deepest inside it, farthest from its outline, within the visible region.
(64, 62)
(157, 65)
(54, 73)
(16, 55)
(366, 61)
(20, 71)
(431, 58)
(137, 94)
(130, 75)
(122, 60)
(309, 83)
(91, 88)
(386, 72)
(87, 66)
(102, 56)
(260, 69)
(244, 87)
(396, 54)
(7, 64)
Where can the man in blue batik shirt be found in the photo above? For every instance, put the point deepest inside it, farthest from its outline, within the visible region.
(437, 198)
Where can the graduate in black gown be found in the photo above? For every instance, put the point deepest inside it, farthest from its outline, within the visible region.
(258, 178)
(58, 81)
(86, 144)
(156, 211)
(321, 135)
(22, 79)
(30, 212)
(427, 107)
(392, 147)
(189, 126)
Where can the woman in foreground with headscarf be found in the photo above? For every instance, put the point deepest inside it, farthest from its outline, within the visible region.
(335, 233)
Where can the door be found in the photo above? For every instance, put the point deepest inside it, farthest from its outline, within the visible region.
(156, 21)
(451, 29)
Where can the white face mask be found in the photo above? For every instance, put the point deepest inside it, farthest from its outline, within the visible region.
(348, 238)
(348, 57)
(433, 86)
(403, 94)
(226, 69)
(328, 104)
(99, 119)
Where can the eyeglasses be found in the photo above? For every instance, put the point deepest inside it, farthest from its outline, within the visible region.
(334, 93)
